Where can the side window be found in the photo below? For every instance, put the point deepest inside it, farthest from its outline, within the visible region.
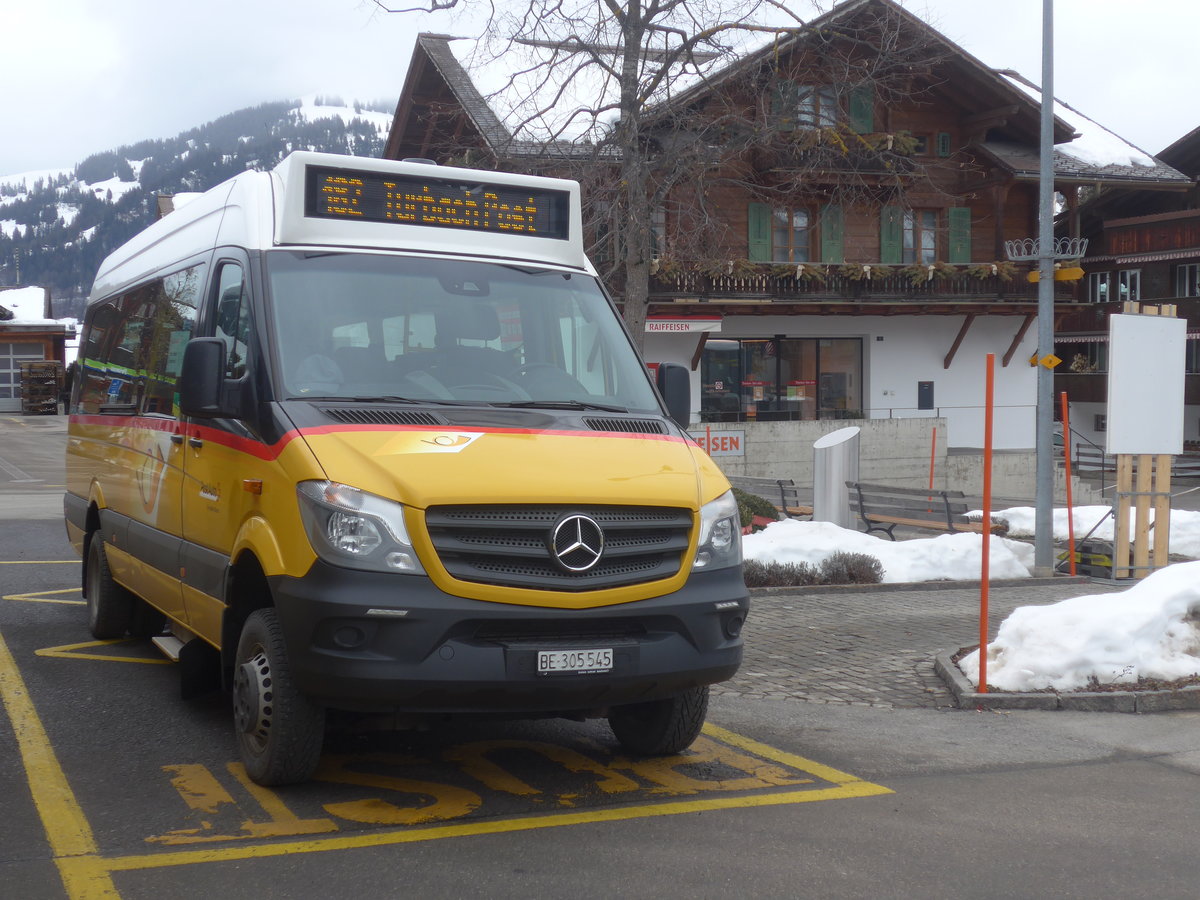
(233, 318)
(93, 379)
(122, 361)
(172, 317)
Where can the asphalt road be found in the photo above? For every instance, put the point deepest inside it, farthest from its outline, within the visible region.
(823, 774)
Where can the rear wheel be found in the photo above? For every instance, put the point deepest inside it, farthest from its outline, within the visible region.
(279, 730)
(660, 727)
(110, 606)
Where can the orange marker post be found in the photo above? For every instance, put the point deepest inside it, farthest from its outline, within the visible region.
(985, 564)
(1066, 426)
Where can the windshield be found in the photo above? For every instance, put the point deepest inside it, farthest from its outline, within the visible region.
(371, 326)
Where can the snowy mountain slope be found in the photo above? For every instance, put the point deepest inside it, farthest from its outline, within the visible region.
(56, 226)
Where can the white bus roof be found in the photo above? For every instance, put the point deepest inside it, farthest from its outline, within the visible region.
(327, 200)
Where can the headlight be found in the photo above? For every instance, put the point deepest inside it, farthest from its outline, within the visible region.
(349, 527)
(720, 534)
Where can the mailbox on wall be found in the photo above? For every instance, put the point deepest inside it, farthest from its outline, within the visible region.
(924, 395)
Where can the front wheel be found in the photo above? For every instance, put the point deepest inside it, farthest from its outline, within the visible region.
(660, 727)
(279, 730)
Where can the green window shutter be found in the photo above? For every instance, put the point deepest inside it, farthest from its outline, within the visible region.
(960, 234)
(783, 105)
(758, 243)
(943, 143)
(862, 109)
(833, 230)
(891, 235)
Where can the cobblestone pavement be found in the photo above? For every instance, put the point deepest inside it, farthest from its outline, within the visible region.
(872, 646)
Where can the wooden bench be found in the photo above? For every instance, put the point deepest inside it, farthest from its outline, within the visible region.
(770, 488)
(882, 507)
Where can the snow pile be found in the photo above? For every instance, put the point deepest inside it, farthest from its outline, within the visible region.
(1148, 631)
(1184, 537)
(954, 557)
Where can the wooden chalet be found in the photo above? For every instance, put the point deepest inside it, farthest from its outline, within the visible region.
(851, 260)
(1144, 246)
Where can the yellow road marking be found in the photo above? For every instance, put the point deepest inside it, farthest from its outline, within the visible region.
(853, 788)
(844, 786)
(43, 597)
(68, 651)
(84, 874)
(87, 876)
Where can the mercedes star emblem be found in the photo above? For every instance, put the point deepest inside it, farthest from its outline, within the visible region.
(577, 543)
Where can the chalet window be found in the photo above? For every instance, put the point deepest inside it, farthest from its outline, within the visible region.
(658, 231)
(790, 235)
(803, 106)
(1129, 284)
(1100, 287)
(920, 236)
(1187, 280)
(920, 145)
(777, 378)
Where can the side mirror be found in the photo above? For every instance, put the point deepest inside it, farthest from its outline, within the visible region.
(675, 385)
(202, 378)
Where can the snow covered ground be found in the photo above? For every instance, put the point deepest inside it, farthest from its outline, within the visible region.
(955, 557)
(1184, 536)
(1151, 630)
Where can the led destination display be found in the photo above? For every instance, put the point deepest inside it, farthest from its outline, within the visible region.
(413, 200)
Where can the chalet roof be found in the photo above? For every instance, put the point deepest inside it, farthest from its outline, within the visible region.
(1184, 154)
(484, 118)
(1118, 162)
(1023, 161)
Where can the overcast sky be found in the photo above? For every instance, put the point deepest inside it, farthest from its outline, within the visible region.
(82, 76)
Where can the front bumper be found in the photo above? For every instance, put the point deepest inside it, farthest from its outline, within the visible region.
(391, 643)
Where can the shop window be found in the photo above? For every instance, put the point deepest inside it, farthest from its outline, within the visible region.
(774, 378)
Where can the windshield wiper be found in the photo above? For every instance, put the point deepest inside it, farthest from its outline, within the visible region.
(561, 404)
(385, 398)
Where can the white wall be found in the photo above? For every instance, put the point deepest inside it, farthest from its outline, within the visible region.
(912, 349)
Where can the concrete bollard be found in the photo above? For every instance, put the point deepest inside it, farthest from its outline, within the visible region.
(835, 461)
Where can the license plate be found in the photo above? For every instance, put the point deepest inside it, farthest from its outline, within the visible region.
(552, 661)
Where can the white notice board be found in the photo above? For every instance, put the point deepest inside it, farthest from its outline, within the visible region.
(1145, 384)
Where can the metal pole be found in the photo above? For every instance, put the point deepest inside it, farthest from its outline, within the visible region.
(1043, 541)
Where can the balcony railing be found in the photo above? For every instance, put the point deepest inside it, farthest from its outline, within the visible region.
(893, 287)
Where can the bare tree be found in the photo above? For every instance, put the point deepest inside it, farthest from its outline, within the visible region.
(642, 102)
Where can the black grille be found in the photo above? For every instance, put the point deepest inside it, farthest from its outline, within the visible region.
(636, 426)
(509, 545)
(358, 415)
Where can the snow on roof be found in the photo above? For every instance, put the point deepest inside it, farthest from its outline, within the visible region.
(1095, 144)
(28, 306)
